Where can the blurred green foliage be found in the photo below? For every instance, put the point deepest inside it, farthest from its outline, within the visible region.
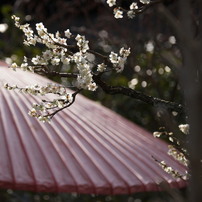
(11, 43)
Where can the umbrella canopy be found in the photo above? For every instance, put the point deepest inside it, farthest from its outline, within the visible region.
(87, 148)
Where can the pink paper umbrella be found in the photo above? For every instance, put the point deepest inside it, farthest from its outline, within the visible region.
(87, 148)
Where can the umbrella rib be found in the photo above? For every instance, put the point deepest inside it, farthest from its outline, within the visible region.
(99, 153)
(150, 151)
(37, 143)
(163, 175)
(118, 147)
(75, 155)
(125, 123)
(20, 138)
(57, 151)
(123, 142)
(113, 153)
(143, 139)
(53, 145)
(6, 140)
(46, 133)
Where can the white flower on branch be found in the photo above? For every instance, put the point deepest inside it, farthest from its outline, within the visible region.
(14, 66)
(82, 43)
(145, 1)
(131, 14)
(40, 111)
(65, 60)
(111, 3)
(119, 61)
(47, 55)
(44, 119)
(118, 13)
(184, 128)
(113, 57)
(101, 67)
(55, 61)
(179, 156)
(157, 134)
(41, 29)
(68, 33)
(133, 6)
(124, 52)
(59, 52)
(33, 112)
(24, 66)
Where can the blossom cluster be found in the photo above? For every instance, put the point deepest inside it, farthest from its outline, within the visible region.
(41, 111)
(180, 156)
(118, 60)
(133, 8)
(57, 52)
(62, 49)
(172, 171)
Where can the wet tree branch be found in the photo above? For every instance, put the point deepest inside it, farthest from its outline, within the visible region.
(153, 101)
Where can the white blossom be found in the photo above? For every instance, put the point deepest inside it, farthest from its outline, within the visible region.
(118, 61)
(118, 13)
(44, 119)
(157, 134)
(24, 66)
(14, 66)
(131, 14)
(82, 43)
(41, 29)
(145, 1)
(133, 6)
(38, 60)
(68, 33)
(113, 57)
(111, 3)
(101, 67)
(55, 61)
(67, 97)
(92, 86)
(65, 60)
(184, 128)
(124, 52)
(33, 112)
(47, 55)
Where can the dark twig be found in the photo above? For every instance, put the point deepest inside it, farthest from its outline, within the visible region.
(68, 105)
(60, 74)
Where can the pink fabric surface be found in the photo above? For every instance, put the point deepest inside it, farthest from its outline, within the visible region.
(87, 148)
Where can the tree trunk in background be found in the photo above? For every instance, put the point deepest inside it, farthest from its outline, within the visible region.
(191, 83)
(193, 99)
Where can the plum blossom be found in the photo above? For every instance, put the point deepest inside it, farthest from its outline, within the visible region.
(119, 61)
(58, 52)
(133, 6)
(145, 1)
(184, 128)
(68, 33)
(101, 67)
(118, 13)
(111, 3)
(82, 43)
